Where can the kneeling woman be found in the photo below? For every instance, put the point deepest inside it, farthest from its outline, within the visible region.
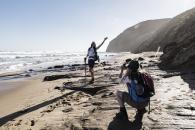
(134, 83)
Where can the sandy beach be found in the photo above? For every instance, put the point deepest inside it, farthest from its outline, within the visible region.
(35, 104)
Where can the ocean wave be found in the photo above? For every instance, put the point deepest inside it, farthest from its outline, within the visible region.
(23, 61)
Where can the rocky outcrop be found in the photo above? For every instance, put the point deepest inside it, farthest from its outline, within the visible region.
(178, 41)
(132, 38)
(175, 37)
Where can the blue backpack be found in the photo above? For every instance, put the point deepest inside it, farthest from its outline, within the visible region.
(135, 91)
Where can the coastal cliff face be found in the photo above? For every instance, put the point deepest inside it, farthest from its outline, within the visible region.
(175, 37)
(179, 41)
(133, 37)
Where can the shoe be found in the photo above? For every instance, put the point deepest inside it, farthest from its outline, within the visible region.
(139, 114)
(121, 116)
(141, 111)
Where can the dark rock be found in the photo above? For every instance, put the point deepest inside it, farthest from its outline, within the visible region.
(140, 59)
(30, 70)
(49, 68)
(55, 77)
(32, 123)
(152, 56)
(171, 75)
(97, 103)
(58, 67)
(109, 68)
(67, 83)
(76, 65)
(27, 75)
(58, 88)
(103, 63)
(67, 110)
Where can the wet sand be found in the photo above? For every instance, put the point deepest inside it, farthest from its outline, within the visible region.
(78, 105)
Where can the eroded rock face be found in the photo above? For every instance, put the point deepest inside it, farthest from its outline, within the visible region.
(179, 41)
(175, 37)
(132, 38)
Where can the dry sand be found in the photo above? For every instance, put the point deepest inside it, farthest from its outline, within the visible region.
(38, 105)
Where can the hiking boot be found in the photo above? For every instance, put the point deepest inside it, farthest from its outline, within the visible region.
(141, 111)
(139, 114)
(122, 115)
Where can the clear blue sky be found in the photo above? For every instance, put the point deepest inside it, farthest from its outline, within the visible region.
(71, 25)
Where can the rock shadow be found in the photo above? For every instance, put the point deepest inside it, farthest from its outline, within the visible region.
(188, 75)
(91, 91)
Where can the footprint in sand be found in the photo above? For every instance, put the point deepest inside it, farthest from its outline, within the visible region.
(166, 91)
(18, 123)
(49, 109)
(67, 110)
(152, 118)
(107, 95)
(64, 102)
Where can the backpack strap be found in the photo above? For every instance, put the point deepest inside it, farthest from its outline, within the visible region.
(149, 107)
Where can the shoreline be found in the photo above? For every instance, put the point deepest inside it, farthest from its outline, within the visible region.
(9, 78)
(49, 105)
(20, 85)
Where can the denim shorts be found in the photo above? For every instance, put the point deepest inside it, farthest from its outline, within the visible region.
(91, 63)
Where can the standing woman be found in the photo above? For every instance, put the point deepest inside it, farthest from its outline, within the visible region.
(92, 57)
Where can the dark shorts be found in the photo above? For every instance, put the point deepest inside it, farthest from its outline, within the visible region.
(126, 98)
(91, 63)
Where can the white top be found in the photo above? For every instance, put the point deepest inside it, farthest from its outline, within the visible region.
(91, 53)
(125, 79)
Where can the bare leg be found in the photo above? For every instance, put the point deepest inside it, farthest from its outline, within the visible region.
(123, 113)
(119, 96)
(92, 73)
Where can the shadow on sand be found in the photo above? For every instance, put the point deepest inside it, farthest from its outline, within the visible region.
(117, 124)
(189, 77)
(186, 71)
(12, 116)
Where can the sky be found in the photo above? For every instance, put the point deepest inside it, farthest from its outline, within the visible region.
(71, 25)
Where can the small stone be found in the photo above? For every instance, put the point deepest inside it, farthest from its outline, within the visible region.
(67, 110)
(32, 123)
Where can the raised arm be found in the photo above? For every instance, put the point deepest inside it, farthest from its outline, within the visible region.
(122, 69)
(101, 43)
(127, 73)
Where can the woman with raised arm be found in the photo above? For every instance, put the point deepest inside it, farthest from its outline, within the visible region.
(92, 57)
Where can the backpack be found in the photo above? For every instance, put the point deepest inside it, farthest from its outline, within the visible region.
(96, 57)
(143, 84)
(141, 87)
(148, 84)
(144, 80)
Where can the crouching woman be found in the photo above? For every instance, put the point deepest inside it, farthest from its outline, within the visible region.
(134, 97)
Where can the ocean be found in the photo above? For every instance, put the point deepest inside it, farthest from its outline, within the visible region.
(15, 66)
(24, 61)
